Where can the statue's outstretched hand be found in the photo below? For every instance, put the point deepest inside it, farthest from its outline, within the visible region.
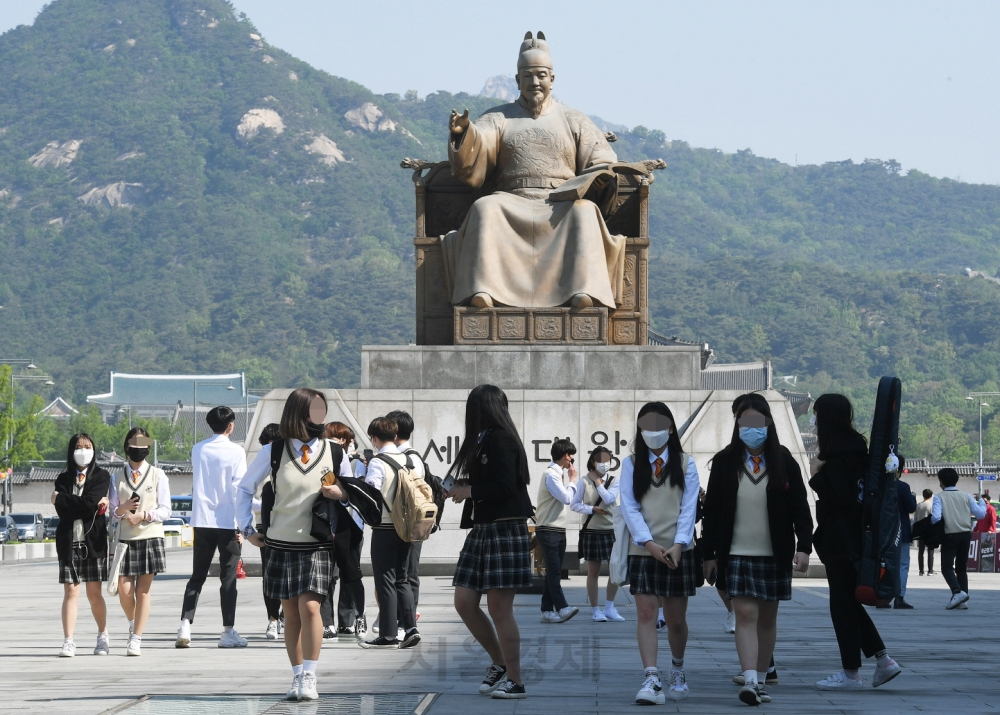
(458, 123)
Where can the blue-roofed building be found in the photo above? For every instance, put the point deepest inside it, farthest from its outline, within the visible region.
(173, 397)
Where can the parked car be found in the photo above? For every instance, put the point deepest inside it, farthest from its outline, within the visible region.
(8, 530)
(29, 526)
(172, 526)
(51, 523)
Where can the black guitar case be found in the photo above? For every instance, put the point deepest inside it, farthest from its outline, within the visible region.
(878, 563)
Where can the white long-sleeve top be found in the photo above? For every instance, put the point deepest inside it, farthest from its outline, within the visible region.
(689, 503)
(258, 471)
(163, 508)
(218, 465)
(977, 508)
(554, 483)
(608, 496)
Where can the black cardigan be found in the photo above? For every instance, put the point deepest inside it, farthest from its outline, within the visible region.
(70, 507)
(838, 486)
(787, 511)
(496, 490)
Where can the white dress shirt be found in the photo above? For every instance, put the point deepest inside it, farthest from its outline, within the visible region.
(377, 468)
(259, 470)
(977, 508)
(608, 496)
(217, 466)
(689, 503)
(418, 463)
(554, 475)
(163, 508)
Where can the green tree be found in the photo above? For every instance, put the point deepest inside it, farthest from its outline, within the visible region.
(17, 425)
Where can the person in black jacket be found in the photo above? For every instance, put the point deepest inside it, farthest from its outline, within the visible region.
(495, 559)
(81, 501)
(757, 528)
(838, 473)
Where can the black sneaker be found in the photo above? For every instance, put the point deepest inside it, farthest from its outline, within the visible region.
(379, 642)
(509, 691)
(411, 639)
(495, 677)
(345, 632)
(762, 694)
(901, 603)
(771, 679)
(328, 632)
(749, 694)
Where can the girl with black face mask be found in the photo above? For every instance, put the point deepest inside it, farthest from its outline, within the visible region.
(140, 501)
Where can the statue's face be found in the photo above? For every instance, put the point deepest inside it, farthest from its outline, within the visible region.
(535, 84)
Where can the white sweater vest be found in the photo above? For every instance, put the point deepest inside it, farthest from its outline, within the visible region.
(146, 488)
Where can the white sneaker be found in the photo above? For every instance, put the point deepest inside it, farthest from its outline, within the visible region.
(281, 626)
(374, 628)
(730, 626)
(612, 614)
(232, 639)
(293, 692)
(957, 600)
(550, 617)
(131, 628)
(183, 636)
(68, 649)
(599, 617)
(564, 614)
(103, 646)
(271, 633)
(307, 690)
(678, 685)
(840, 681)
(962, 607)
(884, 675)
(651, 692)
(134, 645)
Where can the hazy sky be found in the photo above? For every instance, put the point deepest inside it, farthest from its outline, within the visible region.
(915, 81)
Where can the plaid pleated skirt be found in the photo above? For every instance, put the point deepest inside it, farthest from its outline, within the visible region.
(758, 577)
(650, 577)
(596, 545)
(495, 555)
(82, 568)
(144, 556)
(288, 574)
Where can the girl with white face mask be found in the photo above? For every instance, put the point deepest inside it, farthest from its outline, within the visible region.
(81, 499)
(596, 497)
(757, 529)
(659, 493)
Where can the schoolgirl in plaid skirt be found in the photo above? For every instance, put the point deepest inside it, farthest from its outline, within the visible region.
(595, 498)
(659, 493)
(755, 509)
(495, 558)
(81, 500)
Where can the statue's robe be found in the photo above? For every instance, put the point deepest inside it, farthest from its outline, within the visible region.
(516, 244)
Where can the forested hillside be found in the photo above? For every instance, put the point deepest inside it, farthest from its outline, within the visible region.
(177, 195)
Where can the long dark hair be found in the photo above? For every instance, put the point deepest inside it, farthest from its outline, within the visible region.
(642, 473)
(835, 425)
(295, 415)
(777, 477)
(486, 409)
(71, 465)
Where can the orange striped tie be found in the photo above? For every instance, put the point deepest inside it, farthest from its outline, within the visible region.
(135, 476)
(305, 454)
(756, 464)
(658, 463)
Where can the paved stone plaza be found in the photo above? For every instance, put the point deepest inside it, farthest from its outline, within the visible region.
(949, 658)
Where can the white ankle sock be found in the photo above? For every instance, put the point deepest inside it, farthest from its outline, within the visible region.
(659, 615)
(883, 661)
(654, 671)
(597, 610)
(309, 666)
(185, 622)
(297, 669)
(228, 629)
(609, 606)
(761, 676)
(750, 677)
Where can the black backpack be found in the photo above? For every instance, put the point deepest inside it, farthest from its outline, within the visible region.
(881, 532)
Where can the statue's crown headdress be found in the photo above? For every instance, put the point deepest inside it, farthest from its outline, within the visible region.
(534, 52)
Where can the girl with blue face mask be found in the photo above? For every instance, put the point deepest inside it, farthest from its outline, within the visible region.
(757, 528)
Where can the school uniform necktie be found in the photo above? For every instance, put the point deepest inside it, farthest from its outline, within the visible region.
(135, 476)
(756, 464)
(305, 454)
(81, 477)
(658, 464)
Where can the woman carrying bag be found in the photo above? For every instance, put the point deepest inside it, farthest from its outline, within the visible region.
(81, 501)
(595, 497)
(757, 528)
(140, 501)
(838, 474)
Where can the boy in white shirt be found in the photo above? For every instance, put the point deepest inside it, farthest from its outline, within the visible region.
(554, 495)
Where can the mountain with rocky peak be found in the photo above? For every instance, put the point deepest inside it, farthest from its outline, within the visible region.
(179, 195)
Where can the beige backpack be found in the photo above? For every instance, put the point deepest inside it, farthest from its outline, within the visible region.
(413, 510)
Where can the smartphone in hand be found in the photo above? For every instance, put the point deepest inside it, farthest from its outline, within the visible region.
(448, 483)
(369, 455)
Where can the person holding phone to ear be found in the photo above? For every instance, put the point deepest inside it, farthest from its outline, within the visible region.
(659, 494)
(757, 528)
(140, 501)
